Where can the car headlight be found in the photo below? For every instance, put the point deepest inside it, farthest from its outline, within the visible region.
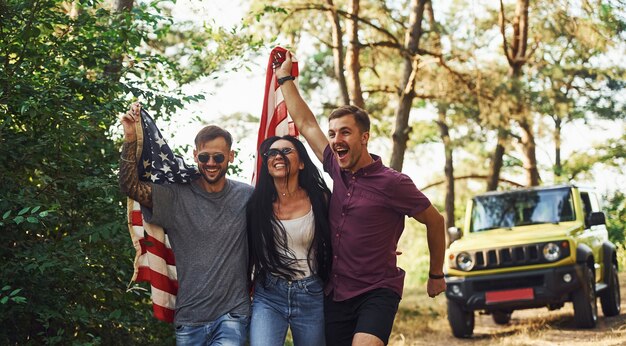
(464, 261)
(551, 252)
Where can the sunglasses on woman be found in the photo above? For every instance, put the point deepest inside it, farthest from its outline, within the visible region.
(205, 157)
(275, 151)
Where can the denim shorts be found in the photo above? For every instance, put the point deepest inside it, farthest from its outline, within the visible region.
(282, 304)
(228, 330)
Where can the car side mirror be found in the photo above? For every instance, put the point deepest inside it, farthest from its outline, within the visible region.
(454, 233)
(597, 218)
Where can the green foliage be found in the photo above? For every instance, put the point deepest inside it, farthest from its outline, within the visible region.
(423, 132)
(62, 221)
(610, 153)
(27, 214)
(318, 72)
(621, 256)
(64, 245)
(414, 259)
(8, 295)
(616, 216)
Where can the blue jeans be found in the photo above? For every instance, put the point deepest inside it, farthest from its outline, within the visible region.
(227, 330)
(281, 304)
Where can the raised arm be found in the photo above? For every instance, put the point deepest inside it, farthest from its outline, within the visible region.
(129, 181)
(300, 111)
(435, 234)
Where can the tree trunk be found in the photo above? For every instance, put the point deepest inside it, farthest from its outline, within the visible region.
(407, 87)
(444, 130)
(338, 55)
(114, 69)
(449, 167)
(558, 167)
(496, 161)
(517, 57)
(121, 5)
(352, 56)
(529, 150)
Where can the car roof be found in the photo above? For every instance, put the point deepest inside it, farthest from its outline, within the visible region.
(534, 188)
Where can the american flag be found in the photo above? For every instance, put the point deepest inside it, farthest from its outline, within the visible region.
(275, 119)
(154, 260)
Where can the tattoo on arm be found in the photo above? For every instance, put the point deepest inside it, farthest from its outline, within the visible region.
(129, 181)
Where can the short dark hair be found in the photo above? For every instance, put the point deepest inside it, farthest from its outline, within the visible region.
(361, 117)
(211, 132)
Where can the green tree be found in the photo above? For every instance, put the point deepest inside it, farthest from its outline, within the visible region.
(67, 69)
(616, 217)
(567, 85)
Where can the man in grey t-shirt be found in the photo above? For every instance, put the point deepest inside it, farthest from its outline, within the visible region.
(206, 225)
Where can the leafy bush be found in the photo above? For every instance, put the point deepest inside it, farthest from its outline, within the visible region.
(64, 246)
(616, 216)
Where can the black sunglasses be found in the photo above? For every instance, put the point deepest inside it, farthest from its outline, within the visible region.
(274, 151)
(205, 157)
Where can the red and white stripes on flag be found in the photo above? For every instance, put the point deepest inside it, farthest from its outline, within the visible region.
(275, 120)
(154, 259)
(154, 263)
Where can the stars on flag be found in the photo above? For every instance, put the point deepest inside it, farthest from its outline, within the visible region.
(166, 168)
(158, 163)
(160, 141)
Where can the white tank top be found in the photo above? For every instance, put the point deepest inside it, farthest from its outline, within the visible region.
(299, 237)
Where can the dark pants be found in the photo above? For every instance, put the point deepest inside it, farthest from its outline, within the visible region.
(372, 312)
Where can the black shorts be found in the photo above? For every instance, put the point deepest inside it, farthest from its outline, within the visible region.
(372, 312)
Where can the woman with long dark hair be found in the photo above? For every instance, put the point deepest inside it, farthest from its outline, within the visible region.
(289, 242)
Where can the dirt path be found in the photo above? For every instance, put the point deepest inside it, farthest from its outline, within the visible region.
(527, 327)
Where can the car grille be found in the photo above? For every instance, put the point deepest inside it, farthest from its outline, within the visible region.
(512, 256)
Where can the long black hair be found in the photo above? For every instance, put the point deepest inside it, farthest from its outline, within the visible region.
(267, 238)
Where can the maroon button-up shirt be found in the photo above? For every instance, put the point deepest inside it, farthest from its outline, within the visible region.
(367, 211)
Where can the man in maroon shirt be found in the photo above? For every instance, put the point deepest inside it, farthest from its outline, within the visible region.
(367, 210)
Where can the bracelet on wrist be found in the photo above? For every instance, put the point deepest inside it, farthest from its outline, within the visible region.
(435, 276)
(284, 79)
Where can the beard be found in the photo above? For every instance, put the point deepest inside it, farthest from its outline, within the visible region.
(213, 178)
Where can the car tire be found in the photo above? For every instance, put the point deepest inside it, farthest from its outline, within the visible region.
(501, 317)
(584, 299)
(461, 320)
(610, 299)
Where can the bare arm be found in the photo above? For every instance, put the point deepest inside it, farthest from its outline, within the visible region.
(129, 181)
(300, 111)
(435, 234)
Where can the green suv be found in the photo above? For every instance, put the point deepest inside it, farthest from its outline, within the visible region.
(530, 248)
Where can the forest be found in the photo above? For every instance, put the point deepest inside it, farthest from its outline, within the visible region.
(500, 82)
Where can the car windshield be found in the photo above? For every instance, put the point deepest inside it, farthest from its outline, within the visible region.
(521, 208)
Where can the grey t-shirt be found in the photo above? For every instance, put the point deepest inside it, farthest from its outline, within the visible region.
(207, 232)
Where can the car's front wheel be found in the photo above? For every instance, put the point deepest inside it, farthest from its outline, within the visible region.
(610, 299)
(584, 299)
(461, 320)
